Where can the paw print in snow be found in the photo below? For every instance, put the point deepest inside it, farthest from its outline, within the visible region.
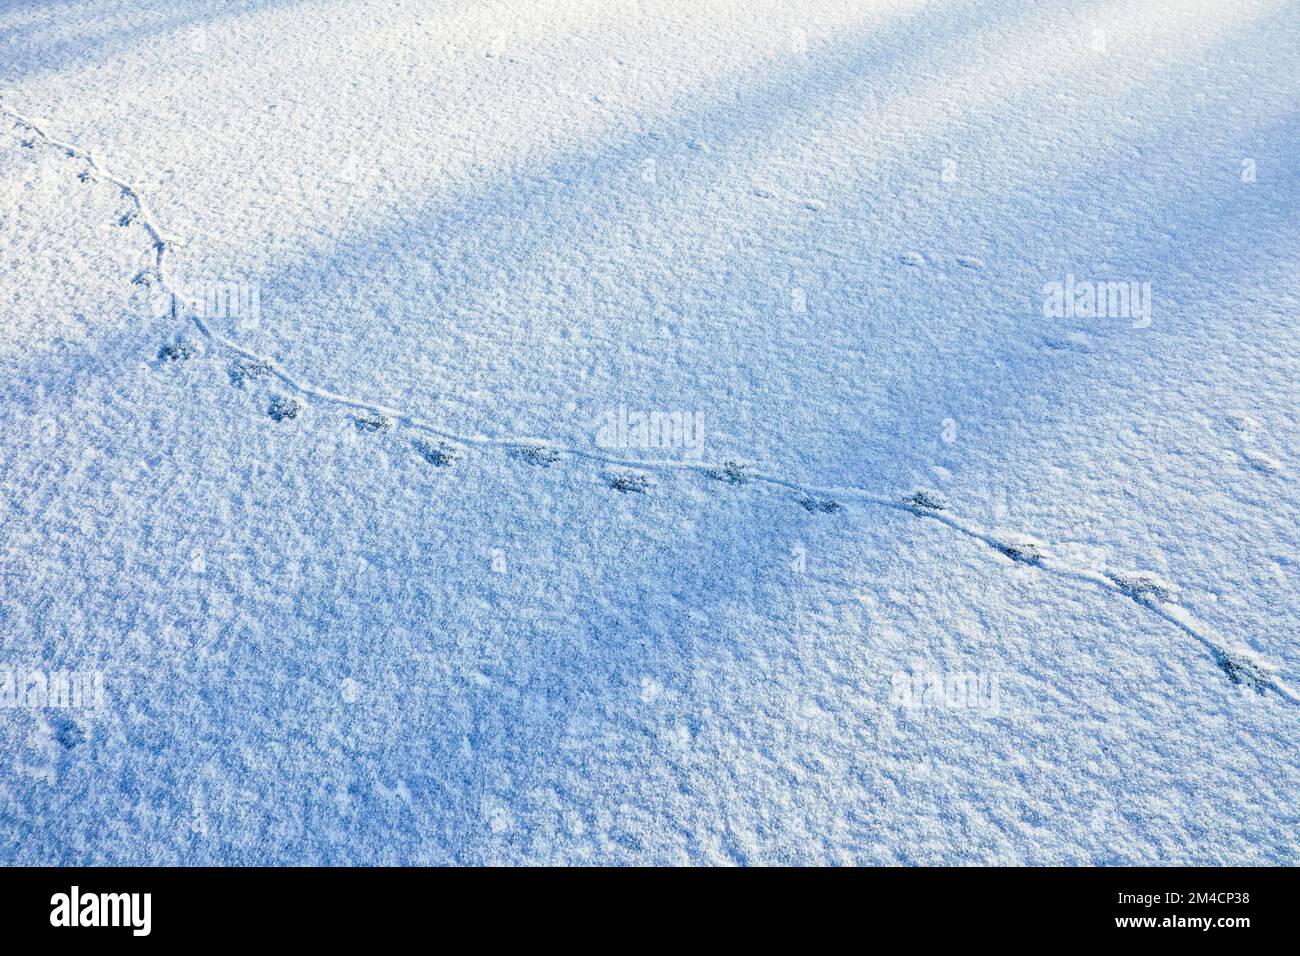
(247, 369)
(629, 481)
(1022, 548)
(372, 422)
(438, 453)
(731, 472)
(826, 506)
(927, 499)
(535, 454)
(1244, 670)
(1143, 586)
(283, 408)
(177, 352)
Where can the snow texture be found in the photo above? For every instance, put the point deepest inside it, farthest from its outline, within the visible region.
(650, 433)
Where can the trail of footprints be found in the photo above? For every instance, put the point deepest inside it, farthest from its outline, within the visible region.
(442, 449)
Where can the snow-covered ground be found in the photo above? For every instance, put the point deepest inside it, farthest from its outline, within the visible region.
(328, 325)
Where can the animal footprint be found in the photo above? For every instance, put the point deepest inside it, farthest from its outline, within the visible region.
(927, 499)
(1143, 586)
(732, 472)
(542, 455)
(440, 453)
(912, 259)
(1249, 434)
(66, 731)
(1070, 342)
(1261, 461)
(1022, 548)
(1244, 670)
(283, 408)
(629, 481)
(177, 352)
(826, 506)
(245, 369)
(372, 422)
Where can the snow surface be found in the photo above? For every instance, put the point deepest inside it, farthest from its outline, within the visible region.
(425, 614)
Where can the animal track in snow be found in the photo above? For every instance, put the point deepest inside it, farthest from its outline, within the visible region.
(541, 455)
(1246, 671)
(177, 351)
(243, 370)
(731, 472)
(66, 731)
(826, 506)
(1069, 342)
(1143, 586)
(283, 408)
(444, 448)
(629, 481)
(439, 453)
(1261, 461)
(1249, 432)
(927, 499)
(1022, 548)
(372, 422)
